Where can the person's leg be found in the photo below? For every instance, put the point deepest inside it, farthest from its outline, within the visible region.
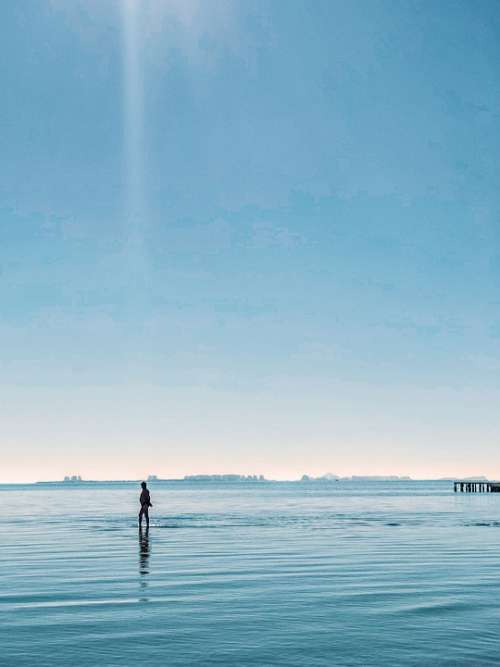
(146, 514)
(140, 516)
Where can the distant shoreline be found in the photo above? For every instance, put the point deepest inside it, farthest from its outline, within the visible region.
(208, 481)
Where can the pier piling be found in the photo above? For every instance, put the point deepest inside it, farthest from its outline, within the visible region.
(476, 487)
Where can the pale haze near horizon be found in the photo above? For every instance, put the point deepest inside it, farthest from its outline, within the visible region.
(249, 237)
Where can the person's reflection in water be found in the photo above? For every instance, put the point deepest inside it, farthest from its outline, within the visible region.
(144, 553)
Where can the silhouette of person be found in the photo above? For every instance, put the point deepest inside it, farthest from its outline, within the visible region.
(145, 501)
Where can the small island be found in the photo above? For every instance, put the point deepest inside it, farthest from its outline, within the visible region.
(225, 478)
(330, 477)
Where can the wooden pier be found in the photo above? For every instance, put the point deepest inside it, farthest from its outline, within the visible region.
(471, 486)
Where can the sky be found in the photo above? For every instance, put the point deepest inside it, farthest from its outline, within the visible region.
(249, 237)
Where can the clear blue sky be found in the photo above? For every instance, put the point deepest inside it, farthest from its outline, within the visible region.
(292, 265)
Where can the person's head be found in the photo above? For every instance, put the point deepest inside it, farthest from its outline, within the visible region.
(143, 484)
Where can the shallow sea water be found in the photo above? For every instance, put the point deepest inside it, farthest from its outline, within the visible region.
(348, 573)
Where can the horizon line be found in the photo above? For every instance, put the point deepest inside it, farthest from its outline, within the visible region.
(236, 477)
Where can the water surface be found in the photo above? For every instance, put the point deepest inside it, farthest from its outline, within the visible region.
(348, 573)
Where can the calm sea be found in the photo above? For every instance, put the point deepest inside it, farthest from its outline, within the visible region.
(348, 573)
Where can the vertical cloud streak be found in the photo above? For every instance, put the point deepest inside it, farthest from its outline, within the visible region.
(134, 138)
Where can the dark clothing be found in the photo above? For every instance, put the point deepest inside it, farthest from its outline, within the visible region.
(145, 498)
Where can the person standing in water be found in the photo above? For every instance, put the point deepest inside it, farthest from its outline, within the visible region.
(145, 501)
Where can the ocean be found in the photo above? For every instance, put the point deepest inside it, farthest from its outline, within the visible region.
(332, 574)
